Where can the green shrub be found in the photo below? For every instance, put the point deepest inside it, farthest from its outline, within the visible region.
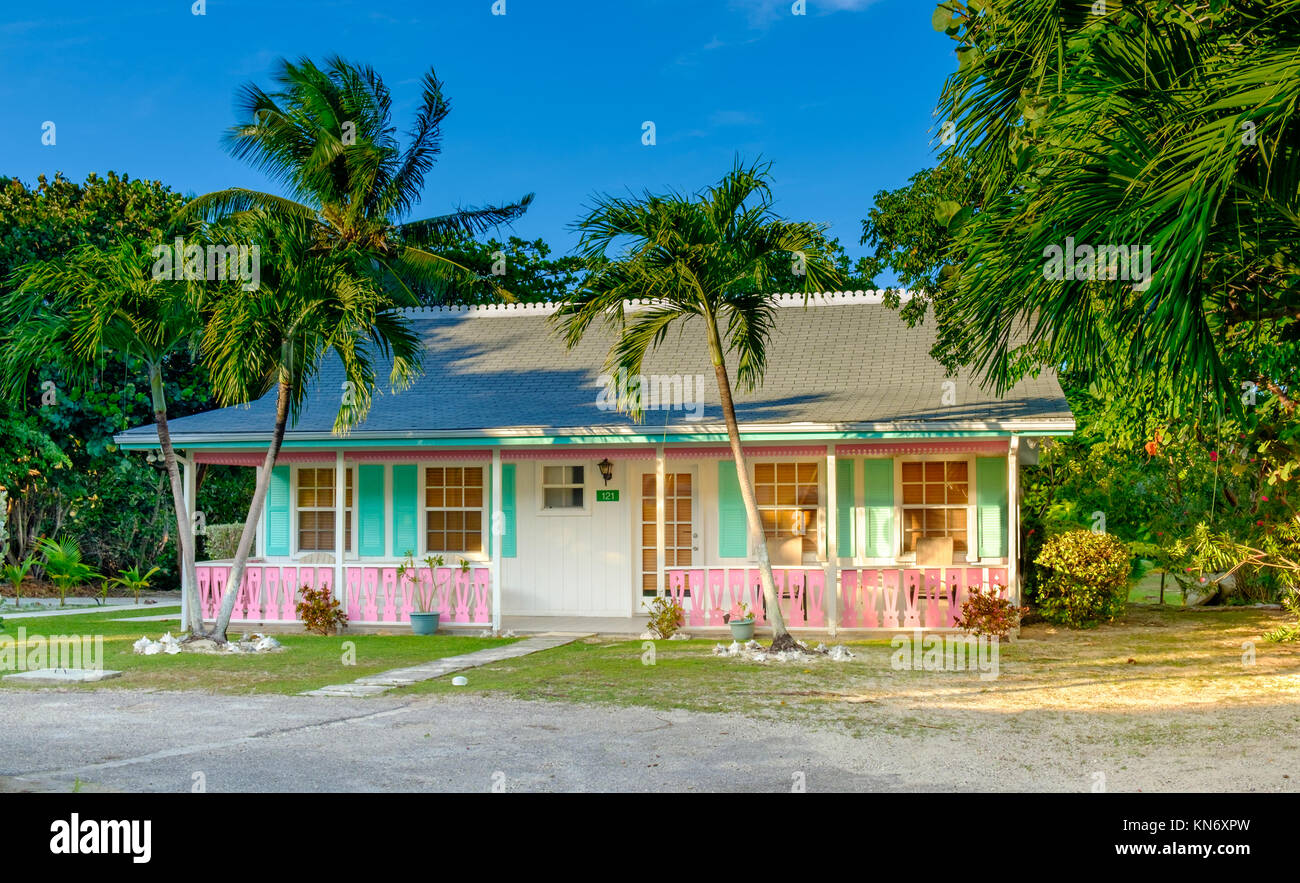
(666, 617)
(1086, 579)
(63, 564)
(222, 541)
(133, 581)
(320, 612)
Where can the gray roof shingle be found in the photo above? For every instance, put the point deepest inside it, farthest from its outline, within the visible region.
(845, 362)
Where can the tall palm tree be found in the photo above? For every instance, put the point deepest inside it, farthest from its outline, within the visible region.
(339, 249)
(309, 305)
(711, 256)
(326, 135)
(97, 302)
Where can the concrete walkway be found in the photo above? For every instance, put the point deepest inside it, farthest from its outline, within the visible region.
(83, 609)
(373, 685)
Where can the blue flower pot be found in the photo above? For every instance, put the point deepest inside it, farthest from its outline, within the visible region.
(424, 623)
(742, 629)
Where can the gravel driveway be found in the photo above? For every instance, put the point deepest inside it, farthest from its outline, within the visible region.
(154, 741)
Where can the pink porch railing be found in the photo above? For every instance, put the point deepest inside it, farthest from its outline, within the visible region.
(889, 598)
(892, 598)
(373, 595)
(706, 593)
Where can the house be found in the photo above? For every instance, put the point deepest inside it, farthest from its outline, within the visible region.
(887, 489)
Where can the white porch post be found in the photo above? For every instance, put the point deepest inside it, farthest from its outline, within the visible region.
(498, 517)
(189, 483)
(661, 529)
(832, 543)
(1013, 518)
(340, 528)
(259, 541)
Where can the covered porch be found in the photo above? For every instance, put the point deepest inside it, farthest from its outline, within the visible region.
(665, 522)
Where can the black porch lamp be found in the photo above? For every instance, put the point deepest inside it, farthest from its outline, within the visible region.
(606, 469)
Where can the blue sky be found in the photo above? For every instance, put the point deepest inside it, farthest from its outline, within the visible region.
(550, 97)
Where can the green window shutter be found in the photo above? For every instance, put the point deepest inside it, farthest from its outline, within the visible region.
(406, 509)
(733, 526)
(508, 542)
(370, 510)
(277, 512)
(844, 545)
(991, 505)
(878, 500)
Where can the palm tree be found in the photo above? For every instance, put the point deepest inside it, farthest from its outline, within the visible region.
(326, 135)
(1171, 127)
(309, 304)
(339, 251)
(711, 256)
(97, 302)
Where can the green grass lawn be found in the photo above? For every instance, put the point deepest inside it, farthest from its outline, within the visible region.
(308, 662)
(1159, 657)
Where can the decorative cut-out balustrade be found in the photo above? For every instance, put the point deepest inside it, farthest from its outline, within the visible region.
(886, 598)
(373, 595)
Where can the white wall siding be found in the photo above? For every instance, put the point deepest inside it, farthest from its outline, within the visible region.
(571, 565)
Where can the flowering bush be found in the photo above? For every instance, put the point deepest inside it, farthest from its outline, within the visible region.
(738, 613)
(1087, 579)
(319, 611)
(986, 613)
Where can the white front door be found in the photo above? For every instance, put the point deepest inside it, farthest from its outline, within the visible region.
(681, 527)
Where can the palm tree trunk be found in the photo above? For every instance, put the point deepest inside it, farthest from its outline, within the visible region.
(781, 639)
(254, 513)
(183, 540)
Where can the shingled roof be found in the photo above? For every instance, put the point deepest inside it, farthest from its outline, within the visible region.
(844, 362)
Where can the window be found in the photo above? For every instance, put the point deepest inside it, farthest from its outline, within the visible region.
(453, 508)
(936, 499)
(788, 496)
(563, 487)
(316, 510)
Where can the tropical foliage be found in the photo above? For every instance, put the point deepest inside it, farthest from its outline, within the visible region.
(340, 257)
(63, 564)
(1087, 578)
(1169, 128)
(326, 135)
(712, 257)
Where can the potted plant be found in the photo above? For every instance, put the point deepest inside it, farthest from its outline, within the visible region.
(741, 620)
(423, 620)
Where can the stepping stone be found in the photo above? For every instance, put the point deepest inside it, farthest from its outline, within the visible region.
(55, 676)
(348, 690)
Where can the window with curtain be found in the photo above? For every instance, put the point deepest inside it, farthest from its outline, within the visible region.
(453, 509)
(788, 495)
(936, 502)
(316, 510)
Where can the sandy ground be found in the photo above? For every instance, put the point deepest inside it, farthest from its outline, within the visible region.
(153, 741)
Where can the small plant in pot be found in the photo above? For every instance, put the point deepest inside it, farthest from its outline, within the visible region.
(741, 620)
(423, 620)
